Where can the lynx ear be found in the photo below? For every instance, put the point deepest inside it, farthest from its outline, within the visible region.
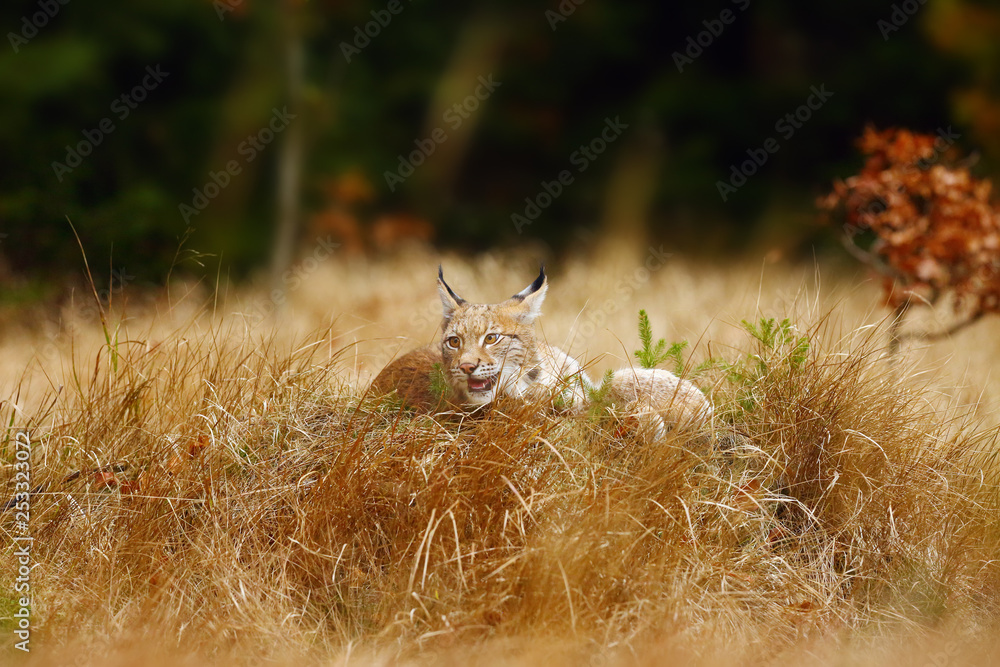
(449, 299)
(532, 296)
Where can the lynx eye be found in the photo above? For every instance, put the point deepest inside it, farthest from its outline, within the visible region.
(453, 342)
(491, 338)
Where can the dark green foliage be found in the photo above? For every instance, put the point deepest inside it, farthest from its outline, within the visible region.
(559, 85)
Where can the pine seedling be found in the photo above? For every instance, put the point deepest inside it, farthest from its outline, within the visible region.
(599, 393)
(773, 335)
(599, 400)
(652, 355)
(779, 350)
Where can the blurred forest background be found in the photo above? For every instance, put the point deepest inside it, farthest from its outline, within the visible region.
(342, 107)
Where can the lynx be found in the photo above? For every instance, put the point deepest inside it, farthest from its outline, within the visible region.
(488, 351)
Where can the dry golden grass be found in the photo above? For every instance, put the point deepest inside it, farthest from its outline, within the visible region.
(271, 510)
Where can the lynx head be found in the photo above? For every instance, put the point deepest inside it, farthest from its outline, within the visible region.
(491, 349)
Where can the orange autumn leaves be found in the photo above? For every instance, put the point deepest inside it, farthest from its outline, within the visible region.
(932, 227)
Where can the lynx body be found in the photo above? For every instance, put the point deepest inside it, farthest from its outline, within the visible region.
(659, 399)
(488, 351)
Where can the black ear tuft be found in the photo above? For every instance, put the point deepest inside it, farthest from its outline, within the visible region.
(533, 287)
(457, 298)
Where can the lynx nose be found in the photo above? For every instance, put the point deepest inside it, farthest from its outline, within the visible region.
(468, 367)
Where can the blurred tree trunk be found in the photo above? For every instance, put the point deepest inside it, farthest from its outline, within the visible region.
(631, 190)
(291, 158)
(260, 79)
(474, 59)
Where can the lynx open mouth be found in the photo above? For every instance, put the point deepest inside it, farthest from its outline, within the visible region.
(477, 385)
